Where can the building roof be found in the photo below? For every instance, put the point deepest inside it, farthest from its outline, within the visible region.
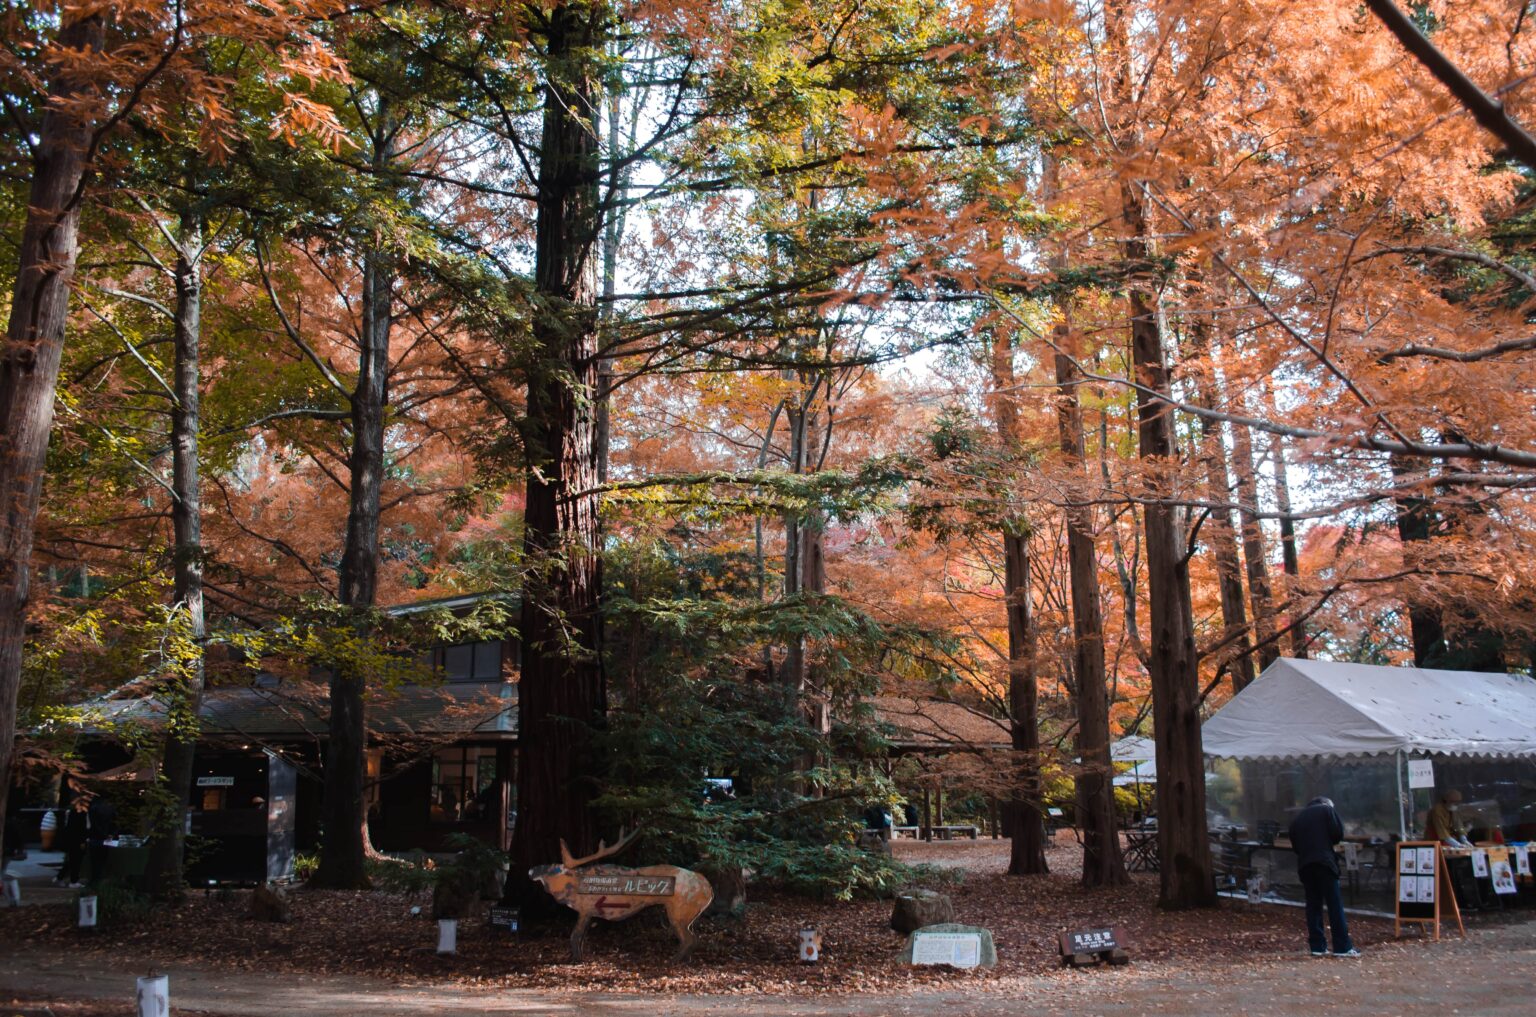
(284, 712)
(939, 726)
(1302, 708)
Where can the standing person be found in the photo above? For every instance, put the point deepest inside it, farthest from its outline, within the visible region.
(102, 820)
(1314, 832)
(72, 834)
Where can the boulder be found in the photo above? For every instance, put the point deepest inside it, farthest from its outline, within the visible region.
(873, 842)
(730, 886)
(917, 909)
(455, 894)
(494, 883)
(270, 904)
(936, 944)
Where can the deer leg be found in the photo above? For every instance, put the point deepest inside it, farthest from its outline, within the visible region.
(579, 938)
(686, 940)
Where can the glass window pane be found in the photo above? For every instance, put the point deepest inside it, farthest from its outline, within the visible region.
(459, 662)
(488, 660)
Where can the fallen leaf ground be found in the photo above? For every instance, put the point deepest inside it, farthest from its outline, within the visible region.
(375, 934)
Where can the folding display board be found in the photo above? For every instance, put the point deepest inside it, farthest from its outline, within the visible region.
(1424, 887)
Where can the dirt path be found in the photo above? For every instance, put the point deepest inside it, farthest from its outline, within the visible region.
(1489, 974)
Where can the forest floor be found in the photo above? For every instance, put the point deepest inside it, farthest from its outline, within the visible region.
(348, 953)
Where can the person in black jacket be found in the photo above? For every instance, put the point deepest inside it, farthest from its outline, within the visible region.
(1314, 832)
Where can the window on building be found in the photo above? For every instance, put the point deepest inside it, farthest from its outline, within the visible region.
(466, 662)
(464, 787)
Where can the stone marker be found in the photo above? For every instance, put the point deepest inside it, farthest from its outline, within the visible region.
(959, 946)
(456, 894)
(917, 908)
(871, 841)
(270, 904)
(730, 887)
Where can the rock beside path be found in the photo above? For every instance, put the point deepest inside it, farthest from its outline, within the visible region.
(918, 908)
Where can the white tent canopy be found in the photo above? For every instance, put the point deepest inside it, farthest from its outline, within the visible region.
(1141, 753)
(1300, 708)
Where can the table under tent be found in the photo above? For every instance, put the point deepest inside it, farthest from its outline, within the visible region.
(1349, 731)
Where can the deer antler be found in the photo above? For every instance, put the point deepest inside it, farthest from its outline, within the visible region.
(603, 850)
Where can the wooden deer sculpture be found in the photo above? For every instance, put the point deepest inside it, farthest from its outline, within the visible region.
(613, 893)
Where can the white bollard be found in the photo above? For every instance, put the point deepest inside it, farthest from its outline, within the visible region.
(12, 888)
(88, 912)
(154, 996)
(810, 946)
(447, 935)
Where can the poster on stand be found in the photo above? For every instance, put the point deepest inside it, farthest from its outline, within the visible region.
(1426, 861)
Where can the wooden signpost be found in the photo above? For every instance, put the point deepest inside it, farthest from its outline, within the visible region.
(1424, 890)
(613, 893)
(1094, 946)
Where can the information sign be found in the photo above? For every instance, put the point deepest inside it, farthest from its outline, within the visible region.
(1423, 887)
(1421, 773)
(215, 782)
(957, 949)
(632, 885)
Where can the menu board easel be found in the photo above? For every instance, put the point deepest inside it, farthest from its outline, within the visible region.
(1422, 884)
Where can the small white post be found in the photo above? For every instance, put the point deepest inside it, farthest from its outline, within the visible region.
(12, 888)
(88, 912)
(447, 935)
(154, 996)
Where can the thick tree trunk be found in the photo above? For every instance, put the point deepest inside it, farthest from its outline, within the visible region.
(34, 342)
(1026, 825)
(1184, 853)
(1220, 534)
(184, 695)
(1415, 518)
(562, 692)
(1255, 555)
(344, 848)
(1103, 862)
(1291, 561)
(1023, 806)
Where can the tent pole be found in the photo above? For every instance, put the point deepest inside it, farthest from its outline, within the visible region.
(1402, 824)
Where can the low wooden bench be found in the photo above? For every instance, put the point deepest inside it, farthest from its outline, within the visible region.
(951, 832)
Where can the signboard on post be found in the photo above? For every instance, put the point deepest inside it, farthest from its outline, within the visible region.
(1421, 773)
(1423, 887)
(215, 782)
(1093, 946)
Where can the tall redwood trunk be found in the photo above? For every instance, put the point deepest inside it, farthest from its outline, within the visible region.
(34, 342)
(1103, 861)
(1289, 557)
(1026, 826)
(1255, 554)
(1416, 517)
(184, 695)
(562, 692)
(344, 848)
(1219, 531)
(1184, 852)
